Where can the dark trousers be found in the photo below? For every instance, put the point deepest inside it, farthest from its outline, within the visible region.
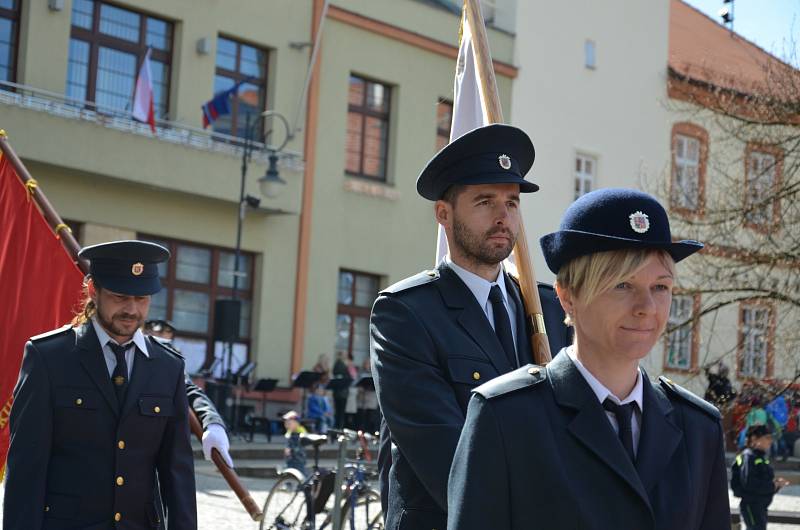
(754, 515)
(339, 404)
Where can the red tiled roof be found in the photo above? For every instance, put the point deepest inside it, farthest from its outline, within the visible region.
(705, 51)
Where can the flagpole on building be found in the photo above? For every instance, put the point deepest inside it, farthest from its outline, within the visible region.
(72, 247)
(494, 112)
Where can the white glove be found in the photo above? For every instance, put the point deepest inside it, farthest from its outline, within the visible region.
(215, 437)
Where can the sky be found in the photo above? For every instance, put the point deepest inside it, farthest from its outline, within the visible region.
(772, 24)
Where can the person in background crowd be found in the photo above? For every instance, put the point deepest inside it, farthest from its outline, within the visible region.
(294, 453)
(753, 479)
(323, 366)
(351, 407)
(719, 390)
(320, 410)
(215, 435)
(340, 394)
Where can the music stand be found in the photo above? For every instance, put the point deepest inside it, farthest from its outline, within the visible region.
(365, 382)
(264, 386)
(338, 383)
(305, 380)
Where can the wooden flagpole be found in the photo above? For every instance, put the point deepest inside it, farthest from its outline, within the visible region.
(72, 247)
(491, 101)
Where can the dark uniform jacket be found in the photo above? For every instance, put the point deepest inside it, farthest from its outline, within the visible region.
(75, 461)
(431, 345)
(752, 477)
(538, 452)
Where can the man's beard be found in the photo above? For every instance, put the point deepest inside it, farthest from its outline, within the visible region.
(110, 326)
(477, 248)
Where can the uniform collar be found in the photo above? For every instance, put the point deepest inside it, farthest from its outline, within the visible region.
(103, 337)
(479, 286)
(600, 390)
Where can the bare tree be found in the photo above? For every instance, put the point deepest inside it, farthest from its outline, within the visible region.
(746, 209)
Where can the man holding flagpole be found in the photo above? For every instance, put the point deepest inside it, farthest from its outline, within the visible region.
(437, 335)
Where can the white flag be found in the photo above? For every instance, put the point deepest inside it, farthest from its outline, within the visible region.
(468, 108)
(143, 107)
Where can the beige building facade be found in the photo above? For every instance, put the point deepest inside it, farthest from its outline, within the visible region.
(348, 220)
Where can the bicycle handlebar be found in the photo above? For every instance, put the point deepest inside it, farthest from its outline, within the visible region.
(352, 435)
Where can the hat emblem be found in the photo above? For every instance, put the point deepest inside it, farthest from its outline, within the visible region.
(505, 161)
(639, 222)
(137, 269)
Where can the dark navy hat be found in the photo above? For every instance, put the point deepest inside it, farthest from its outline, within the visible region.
(126, 267)
(494, 154)
(612, 219)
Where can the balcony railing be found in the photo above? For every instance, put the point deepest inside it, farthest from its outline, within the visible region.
(59, 105)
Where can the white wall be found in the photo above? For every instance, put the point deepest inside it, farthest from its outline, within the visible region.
(615, 112)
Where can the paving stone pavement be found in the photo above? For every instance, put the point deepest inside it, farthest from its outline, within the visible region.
(217, 506)
(219, 509)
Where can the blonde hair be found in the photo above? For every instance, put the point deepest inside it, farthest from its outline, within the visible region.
(588, 276)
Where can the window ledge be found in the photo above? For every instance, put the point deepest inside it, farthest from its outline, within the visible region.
(371, 189)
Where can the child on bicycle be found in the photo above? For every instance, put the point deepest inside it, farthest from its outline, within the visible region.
(294, 454)
(753, 479)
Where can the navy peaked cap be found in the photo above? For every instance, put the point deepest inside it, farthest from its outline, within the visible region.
(493, 154)
(612, 219)
(126, 267)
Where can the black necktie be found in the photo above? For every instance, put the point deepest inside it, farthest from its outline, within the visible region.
(119, 377)
(502, 325)
(623, 414)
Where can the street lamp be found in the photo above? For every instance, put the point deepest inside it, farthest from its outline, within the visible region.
(270, 186)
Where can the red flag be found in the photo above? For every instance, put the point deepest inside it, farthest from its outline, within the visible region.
(143, 105)
(40, 284)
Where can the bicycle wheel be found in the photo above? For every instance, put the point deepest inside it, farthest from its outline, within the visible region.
(367, 514)
(285, 507)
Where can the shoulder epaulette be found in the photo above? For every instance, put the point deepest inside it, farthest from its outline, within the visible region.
(683, 394)
(52, 333)
(167, 346)
(520, 378)
(418, 279)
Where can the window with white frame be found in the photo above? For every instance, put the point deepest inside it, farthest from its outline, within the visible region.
(679, 340)
(356, 294)
(760, 185)
(754, 337)
(585, 170)
(686, 177)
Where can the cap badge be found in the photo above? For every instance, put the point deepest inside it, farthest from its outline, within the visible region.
(640, 222)
(505, 161)
(137, 269)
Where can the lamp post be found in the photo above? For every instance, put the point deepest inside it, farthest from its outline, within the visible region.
(270, 186)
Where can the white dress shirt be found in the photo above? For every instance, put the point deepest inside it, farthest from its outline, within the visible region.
(130, 353)
(636, 396)
(480, 289)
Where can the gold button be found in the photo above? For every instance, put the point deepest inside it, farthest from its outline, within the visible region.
(156, 409)
(120, 481)
(534, 370)
(79, 401)
(121, 444)
(476, 375)
(118, 517)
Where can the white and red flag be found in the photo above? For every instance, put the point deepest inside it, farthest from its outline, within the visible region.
(469, 110)
(143, 100)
